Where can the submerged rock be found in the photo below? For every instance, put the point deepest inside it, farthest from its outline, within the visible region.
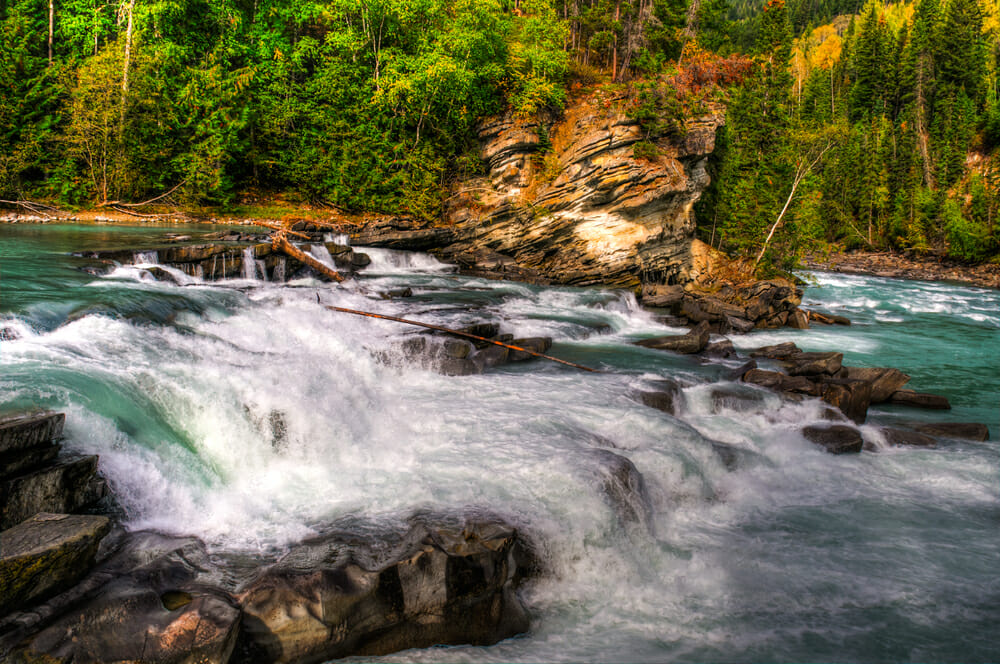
(966, 430)
(836, 438)
(667, 397)
(919, 400)
(906, 438)
(623, 486)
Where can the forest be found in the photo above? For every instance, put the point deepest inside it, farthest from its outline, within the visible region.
(871, 126)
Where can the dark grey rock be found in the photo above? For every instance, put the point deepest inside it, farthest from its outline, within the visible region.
(666, 396)
(535, 344)
(692, 342)
(919, 400)
(907, 438)
(66, 486)
(966, 430)
(24, 431)
(836, 438)
(623, 487)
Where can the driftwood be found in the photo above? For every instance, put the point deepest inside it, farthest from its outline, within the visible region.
(281, 229)
(280, 243)
(32, 206)
(460, 333)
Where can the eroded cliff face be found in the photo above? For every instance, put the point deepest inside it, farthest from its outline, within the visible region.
(584, 210)
(578, 208)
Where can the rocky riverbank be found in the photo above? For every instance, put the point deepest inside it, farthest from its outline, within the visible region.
(906, 266)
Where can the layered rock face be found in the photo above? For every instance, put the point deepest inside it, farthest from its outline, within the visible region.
(578, 208)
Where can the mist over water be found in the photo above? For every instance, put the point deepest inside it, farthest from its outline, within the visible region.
(245, 413)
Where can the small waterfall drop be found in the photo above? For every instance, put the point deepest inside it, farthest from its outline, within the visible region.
(249, 265)
(145, 258)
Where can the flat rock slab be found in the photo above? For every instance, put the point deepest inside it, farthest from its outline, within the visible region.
(776, 352)
(919, 400)
(686, 344)
(814, 364)
(836, 438)
(884, 380)
(965, 430)
(46, 554)
(907, 438)
(775, 380)
(64, 487)
(22, 432)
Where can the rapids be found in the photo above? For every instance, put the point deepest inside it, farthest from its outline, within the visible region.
(246, 414)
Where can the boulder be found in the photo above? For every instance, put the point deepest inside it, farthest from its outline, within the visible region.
(780, 382)
(884, 380)
(798, 319)
(490, 356)
(852, 397)
(667, 397)
(813, 364)
(692, 342)
(919, 400)
(333, 596)
(9, 333)
(966, 430)
(907, 438)
(827, 319)
(396, 293)
(662, 296)
(740, 371)
(708, 308)
(736, 399)
(836, 438)
(777, 352)
(154, 601)
(23, 461)
(45, 555)
(722, 348)
(535, 344)
(733, 324)
(66, 486)
(25, 431)
(623, 487)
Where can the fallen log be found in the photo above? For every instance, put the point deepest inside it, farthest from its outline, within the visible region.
(280, 243)
(281, 229)
(459, 333)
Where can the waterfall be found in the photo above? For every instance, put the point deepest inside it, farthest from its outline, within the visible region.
(145, 258)
(322, 254)
(249, 265)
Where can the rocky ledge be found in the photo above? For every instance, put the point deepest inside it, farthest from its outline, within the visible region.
(77, 588)
(906, 266)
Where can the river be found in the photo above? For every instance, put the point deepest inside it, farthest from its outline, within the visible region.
(796, 555)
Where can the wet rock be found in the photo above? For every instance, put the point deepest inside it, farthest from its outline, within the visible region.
(780, 351)
(490, 356)
(161, 274)
(835, 439)
(623, 486)
(667, 397)
(722, 348)
(662, 296)
(906, 438)
(8, 333)
(397, 293)
(827, 319)
(707, 308)
(455, 366)
(813, 364)
(919, 400)
(692, 342)
(535, 344)
(740, 371)
(152, 601)
(334, 596)
(46, 554)
(852, 397)
(884, 380)
(484, 330)
(736, 399)
(780, 382)
(734, 325)
(965, 430)
(25, 431)
(798, 319)
(65, 486)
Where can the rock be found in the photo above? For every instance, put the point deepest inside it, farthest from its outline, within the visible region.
(692, 342)
(457, 349)
(161, 274)
(813, 364)
(454, 366)
(736, 399)
(397, 293)
(780, 382)
(491, 356)
(798, 319)
(722, 348)
(21, 432)
(919, 400)
(64, 487)
(708, 308)
(852, 397)
(45, 555)
(905, 438)
(740, 371)
(662, 296)
(836, 438)
(667, 397)
(732, 324)
(966, 430)
(484, 330)
(536, 344)
(21, 462)
(624, 487)
(777, 352)
(884, 381)
(333, 596)
(153, 601)
(827, 319)
(8, 333)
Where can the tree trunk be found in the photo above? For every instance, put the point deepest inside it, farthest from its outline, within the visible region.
(52, 20)
(130, 8)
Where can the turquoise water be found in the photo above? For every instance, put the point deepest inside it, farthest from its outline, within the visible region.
(795, 555)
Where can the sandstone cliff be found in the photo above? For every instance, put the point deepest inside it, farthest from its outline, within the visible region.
(568, 202)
